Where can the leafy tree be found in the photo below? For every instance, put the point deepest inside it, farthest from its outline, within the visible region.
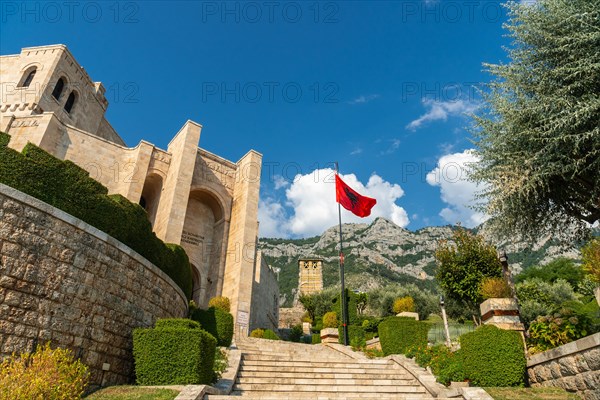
(538, 297)
(361, 302)
(591, 259)
(381, 300)
(538, 134)
(463, 264)
(561, 268)
(403, 304)
(317, 304)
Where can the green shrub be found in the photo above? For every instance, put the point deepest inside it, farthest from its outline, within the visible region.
(493, 357)
(445, 365)
(316, 338)
(398, 334)
(296, 333)
(269, 334)
(257, 333)
(217, 322)
(220, 302)
(370, 324)
(495, 287)
(49, 374)
(548, 332)
(356, 336)
(176, 323)
(173, 353)
(68, 187)
(330, 320)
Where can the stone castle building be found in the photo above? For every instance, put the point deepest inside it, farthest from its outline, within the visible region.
(205, 203)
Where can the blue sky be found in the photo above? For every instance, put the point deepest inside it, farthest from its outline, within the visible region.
(381, 87)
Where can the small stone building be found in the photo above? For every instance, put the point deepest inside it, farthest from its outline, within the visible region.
(205, 203)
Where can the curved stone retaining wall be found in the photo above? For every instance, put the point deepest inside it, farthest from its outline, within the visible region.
(61, 280)
(574, 367)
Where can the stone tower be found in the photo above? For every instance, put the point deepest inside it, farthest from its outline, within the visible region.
(310, 278)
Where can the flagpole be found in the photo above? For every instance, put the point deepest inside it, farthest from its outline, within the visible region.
(344, 305)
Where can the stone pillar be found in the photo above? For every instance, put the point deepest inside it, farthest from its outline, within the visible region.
(241, 246)
(170, 215)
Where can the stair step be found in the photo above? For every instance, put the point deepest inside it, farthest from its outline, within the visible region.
(246, 387)
(313, 370)
(320, 375)
(328, 396)
(295, 357)
(316, 381)
(319, 364)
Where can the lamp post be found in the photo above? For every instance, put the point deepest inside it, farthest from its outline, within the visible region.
(445, 319)
(503, 258)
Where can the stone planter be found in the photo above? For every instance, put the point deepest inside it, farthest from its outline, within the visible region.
(503, 313)
(330, 335)
(597, 293)
(408, 314)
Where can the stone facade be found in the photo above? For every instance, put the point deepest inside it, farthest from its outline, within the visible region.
(265, 296)
(194, 198)
(574, 367)
(64, 281)
(310, 275)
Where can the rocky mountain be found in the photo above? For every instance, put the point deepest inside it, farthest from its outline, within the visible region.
(380, 253)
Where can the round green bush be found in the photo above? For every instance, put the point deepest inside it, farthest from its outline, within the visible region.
(398, 334)
(269, 334)
(493, 357)
(330, 320)
(220, 302)
(257, 333)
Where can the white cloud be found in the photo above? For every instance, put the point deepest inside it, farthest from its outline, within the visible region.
(363, 99)
(270, 214)
(280, 182)
(394, 145)
(356, 151)
(311, 198)
(451, 175)
(441, 110)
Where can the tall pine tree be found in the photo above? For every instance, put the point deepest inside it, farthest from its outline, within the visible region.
(539, 134)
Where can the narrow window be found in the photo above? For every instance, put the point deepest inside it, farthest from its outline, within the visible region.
(29, 78)
(70, 102)
(58, 89)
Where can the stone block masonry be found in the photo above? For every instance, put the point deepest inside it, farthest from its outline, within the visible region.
(63, 281)
(574, 367)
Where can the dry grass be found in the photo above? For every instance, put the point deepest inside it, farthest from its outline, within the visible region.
(133, 393)
(530, 394)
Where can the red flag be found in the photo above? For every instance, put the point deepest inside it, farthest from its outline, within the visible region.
(351, 200)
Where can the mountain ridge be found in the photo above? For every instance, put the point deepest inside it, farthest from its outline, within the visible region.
(382, 252)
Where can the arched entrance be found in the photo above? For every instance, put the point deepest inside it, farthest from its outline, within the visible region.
(151, 195)
(202, 239)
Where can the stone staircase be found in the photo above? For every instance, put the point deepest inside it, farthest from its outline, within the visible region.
(276, 370)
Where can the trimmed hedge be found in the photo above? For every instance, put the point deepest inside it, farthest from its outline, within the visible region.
(217, 322)
(316, 338)
(356, 336)
(68, 187)
(493, 357)
(176, 323)
(398, 334)
(173, 353)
